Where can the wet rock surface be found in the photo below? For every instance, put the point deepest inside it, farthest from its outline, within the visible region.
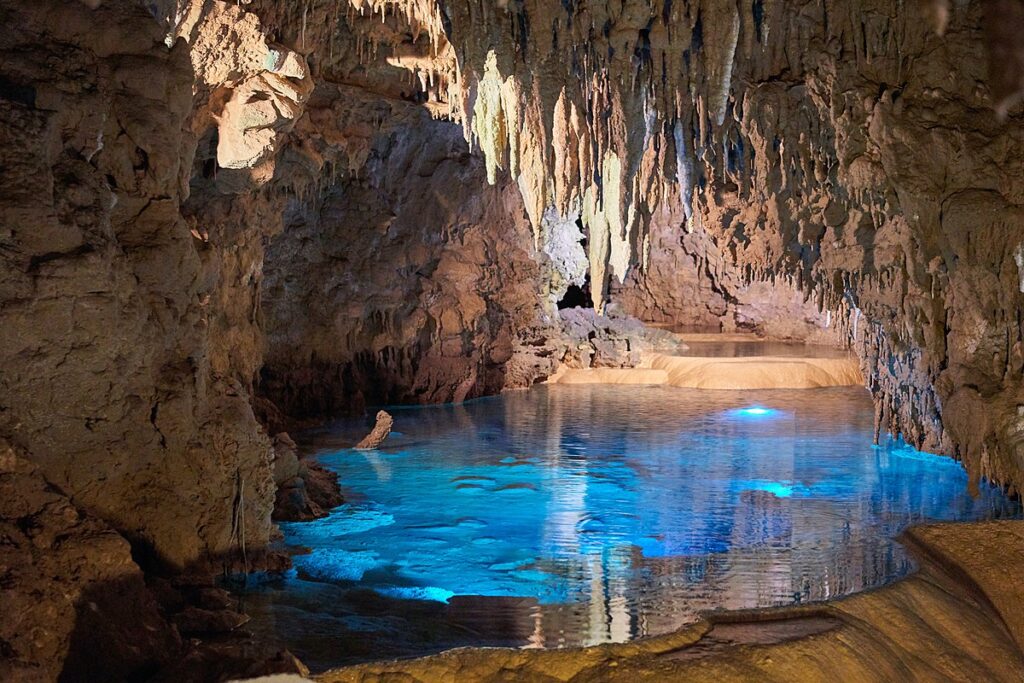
(305, 489)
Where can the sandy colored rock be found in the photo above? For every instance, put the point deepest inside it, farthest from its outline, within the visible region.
(387, 286)
(694, 372)
(757, 372)
(381, 429)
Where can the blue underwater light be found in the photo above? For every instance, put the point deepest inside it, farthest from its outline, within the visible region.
(754, 412)
(605, 500)
(776, 488)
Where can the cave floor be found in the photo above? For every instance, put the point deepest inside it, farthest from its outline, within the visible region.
(957, 619)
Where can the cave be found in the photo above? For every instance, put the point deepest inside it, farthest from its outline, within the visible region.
(601, 340)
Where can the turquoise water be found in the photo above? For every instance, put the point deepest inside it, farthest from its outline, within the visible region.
(570, 515)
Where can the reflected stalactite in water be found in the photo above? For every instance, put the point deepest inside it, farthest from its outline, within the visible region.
(555, 517)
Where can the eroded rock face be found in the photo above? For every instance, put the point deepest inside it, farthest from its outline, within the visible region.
(305, 490)
(410, 281)
(110, 379)
(74, 601)
(687, 282)
(380, 431)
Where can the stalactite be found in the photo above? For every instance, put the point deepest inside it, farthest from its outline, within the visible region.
(730, 113)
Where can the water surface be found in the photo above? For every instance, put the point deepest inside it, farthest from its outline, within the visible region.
(574, 515)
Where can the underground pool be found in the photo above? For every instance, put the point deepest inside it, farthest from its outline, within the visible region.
(575, 515)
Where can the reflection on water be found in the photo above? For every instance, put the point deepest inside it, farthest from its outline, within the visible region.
(736, 349)
(586, 514)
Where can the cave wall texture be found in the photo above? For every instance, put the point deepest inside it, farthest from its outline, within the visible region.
(412, 281)
(330, 203)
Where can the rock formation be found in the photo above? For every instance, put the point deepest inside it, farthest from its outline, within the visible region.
(305, 489)
(72, 597)
(114, 383)
(380, 432)
(761, 372)
(409, 281)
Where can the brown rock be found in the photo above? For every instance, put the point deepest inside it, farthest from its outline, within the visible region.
(196, 620)
(380, 431)
(311, 494)
(74, 602)
(286, 462)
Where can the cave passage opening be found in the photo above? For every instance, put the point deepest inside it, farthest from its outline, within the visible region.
(577, 296)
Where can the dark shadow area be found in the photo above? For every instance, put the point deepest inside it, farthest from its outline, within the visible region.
(577, 297)
(328, 625)
(175, 629)
(118, 635)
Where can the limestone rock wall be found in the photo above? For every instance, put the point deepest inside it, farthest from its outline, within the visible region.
(112, 380)
(688, 283)
(408, 280)
(138, 180)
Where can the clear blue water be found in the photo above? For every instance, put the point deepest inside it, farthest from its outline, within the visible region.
(570, 515)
